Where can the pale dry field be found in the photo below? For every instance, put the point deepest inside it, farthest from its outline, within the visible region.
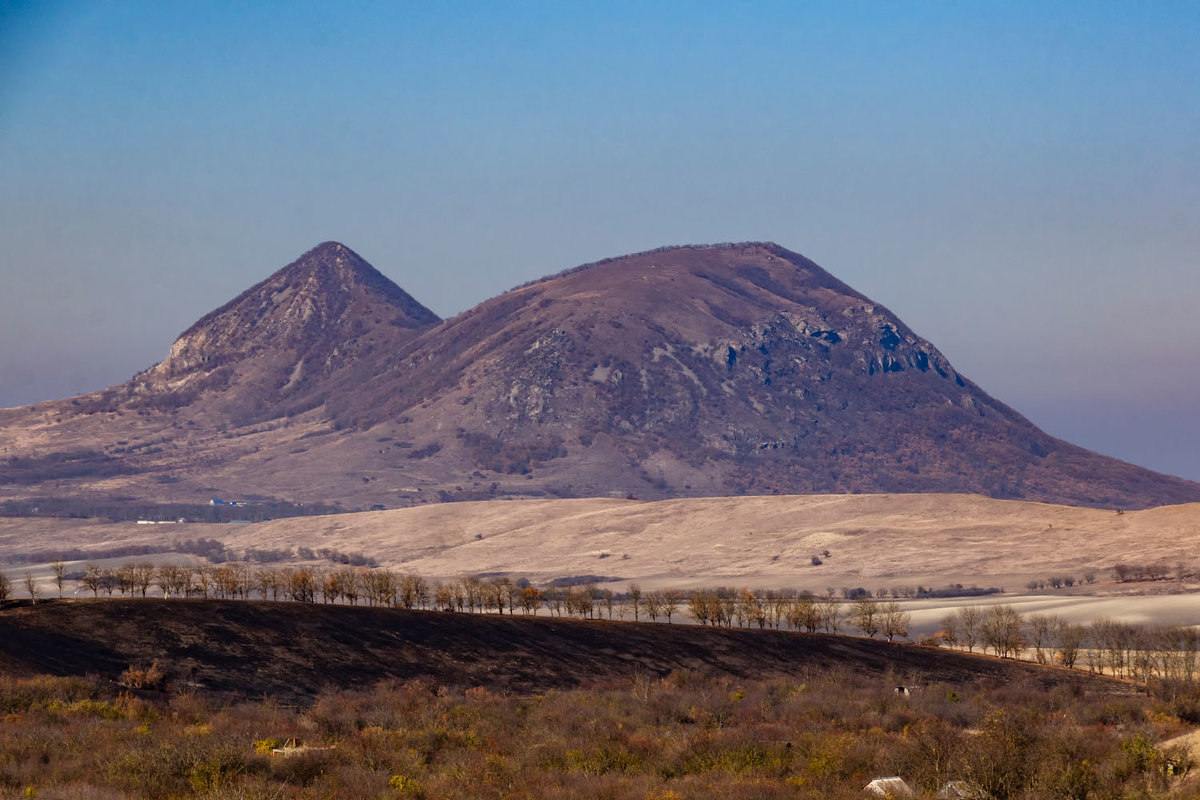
(873, 541)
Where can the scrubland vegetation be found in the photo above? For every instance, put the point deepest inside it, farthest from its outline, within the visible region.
(814, 735)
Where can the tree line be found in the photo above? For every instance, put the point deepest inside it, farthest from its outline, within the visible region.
(1138, 652)
(720, 607)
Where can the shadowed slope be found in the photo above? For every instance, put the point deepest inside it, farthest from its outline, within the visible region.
(256, 648)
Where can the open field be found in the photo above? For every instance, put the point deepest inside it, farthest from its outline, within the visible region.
(872, 540)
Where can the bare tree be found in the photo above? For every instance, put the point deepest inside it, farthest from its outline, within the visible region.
(331, 587)
(969, 618)
(607, 600)
(60, 575)
(555, 597)
(301, 585)
(635, 600)
(1041, 629)
(654, 605)
(1001, 630)
(700, 606)
(444, 597)
(378, 589)
(171, 579)
(753, 609)
(245, 579)
(531, 599)
(91, 578)
(803, 613)
(671, 600)
(125, 579)
(950, 629)
(864, 615)
(202, 580)
(31, 586)
(410, 589)
(268, 583)
(473, 589)
(831, 613)
(1070, 638)
(143, 577)
(5, 587)
(894, 621)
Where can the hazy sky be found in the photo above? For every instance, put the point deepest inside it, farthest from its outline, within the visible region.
(1019, 182)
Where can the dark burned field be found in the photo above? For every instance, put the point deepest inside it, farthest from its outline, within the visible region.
(291, 650)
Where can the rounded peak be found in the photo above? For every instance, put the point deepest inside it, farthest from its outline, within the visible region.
(764, 264)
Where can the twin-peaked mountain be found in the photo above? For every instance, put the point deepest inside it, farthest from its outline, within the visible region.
(687, 371)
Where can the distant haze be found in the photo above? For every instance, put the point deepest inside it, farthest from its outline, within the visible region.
(1018, 183)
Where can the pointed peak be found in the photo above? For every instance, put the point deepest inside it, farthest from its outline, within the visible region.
(330, 251)
(314, 305)
(332, 268)
(331, 256)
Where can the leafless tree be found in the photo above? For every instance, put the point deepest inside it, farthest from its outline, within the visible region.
(950, 629)
(268, 582)
(607, 600)
(969, 618)
(1000, 629)
(635, 600)
(671, 601)
(60, 575)
(700, 605)
(531, 599)
(864, 615)
(894, 621)
(1069, 638)
(91, 578)
(831, 613)
(31, 586)
(1041, 629)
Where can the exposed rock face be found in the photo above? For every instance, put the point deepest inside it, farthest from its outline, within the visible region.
(733, 369)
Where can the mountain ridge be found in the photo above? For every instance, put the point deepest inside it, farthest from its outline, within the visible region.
(690, 370)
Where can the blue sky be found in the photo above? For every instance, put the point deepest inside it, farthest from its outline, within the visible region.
(1019, 182)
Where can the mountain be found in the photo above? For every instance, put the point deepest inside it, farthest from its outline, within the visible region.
(685, 371)
(270, 350)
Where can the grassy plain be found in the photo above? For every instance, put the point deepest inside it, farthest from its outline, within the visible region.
(874, 541)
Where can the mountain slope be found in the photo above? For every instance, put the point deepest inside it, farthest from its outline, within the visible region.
(278, 340)
(686, 371)
(737, 369)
